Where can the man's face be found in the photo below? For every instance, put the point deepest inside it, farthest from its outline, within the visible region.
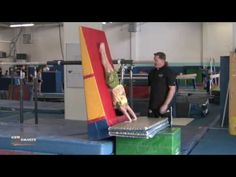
(158, 63)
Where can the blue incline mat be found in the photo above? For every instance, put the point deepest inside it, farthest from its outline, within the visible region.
(216, 141)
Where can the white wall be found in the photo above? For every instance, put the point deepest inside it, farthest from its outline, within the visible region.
(74, 97)
(6, 36)
(45, 43)
(181, 41)
(217, 40)
(234, 36)
(118, 39)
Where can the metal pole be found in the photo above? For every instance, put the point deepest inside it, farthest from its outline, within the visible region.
(225, 106)
(63, 62)
(69, 62)
(12, 83)
(122, 61)
(194, 83)
(210, 83)
(21, 98)
(131, 86)
(35, 96)
(23, 63)
(171, 116)
(122, 73)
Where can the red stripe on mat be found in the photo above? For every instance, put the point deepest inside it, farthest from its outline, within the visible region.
(88, 76)
(12, 152)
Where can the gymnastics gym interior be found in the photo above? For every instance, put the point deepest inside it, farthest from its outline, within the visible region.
(54, 99)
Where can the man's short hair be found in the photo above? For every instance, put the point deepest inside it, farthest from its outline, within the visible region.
(161, 55)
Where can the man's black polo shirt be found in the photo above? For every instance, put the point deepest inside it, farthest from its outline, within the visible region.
(159, 80)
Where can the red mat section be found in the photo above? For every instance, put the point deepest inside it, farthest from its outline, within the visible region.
(93, 38)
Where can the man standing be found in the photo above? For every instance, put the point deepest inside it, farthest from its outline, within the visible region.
(162, 82)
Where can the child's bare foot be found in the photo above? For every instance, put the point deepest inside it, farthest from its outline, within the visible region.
(102, 47)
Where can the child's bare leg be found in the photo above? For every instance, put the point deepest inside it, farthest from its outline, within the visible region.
(106, 64)
(124, 111)
(131, 112)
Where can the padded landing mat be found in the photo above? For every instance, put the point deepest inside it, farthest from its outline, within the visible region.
(142, 128)
(190, 137)
(216, 142)
(182, 121)
(51, 136)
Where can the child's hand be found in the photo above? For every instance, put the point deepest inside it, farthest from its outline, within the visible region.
(128, 121)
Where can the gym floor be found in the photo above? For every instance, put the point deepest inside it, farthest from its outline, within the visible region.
(58, 136)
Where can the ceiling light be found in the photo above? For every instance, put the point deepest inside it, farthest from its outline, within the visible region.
(22, 25)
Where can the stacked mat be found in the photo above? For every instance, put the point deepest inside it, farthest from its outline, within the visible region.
(142, 128)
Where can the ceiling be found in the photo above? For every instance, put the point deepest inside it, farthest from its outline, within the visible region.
(7, 24)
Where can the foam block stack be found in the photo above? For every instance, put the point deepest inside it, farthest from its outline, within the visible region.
(142, 128)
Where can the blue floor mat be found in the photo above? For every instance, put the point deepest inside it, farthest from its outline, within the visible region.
(190, 136)
(53, 129)
(216, 141)
(52, 136)
(194, 131)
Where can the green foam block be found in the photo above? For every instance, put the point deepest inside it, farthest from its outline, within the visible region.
(166, 142)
